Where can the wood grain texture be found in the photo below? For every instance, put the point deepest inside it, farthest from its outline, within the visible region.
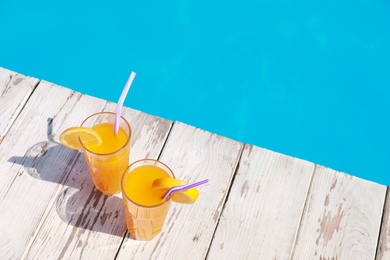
(262, 213)
(83, 223)
(34, 165)
(192, 154)
(341, 219)
(383, 250)
(15, 89)
(259, 205)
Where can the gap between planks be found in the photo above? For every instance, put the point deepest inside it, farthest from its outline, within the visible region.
(236, 166)
(52, 201)
(22, 103)
(158, 157)
(303, 212)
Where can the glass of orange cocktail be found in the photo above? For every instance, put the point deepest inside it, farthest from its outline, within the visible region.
(144, 207)
(107, 160)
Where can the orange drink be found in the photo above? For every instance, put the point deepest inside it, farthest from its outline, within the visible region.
(145, 209)
(107, 160)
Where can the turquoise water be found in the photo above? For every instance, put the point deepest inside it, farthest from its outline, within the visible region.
(305, 78)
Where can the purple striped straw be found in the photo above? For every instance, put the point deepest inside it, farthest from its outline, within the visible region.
(184, 187)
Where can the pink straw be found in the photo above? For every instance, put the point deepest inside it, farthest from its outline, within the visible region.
(184, 187)
(121, 100)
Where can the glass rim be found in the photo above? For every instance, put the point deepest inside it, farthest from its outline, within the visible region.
(121, 148)
(132, 201)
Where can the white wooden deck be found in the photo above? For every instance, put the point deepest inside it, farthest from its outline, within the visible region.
(260, 204)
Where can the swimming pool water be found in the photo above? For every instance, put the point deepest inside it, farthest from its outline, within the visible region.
(307, 79)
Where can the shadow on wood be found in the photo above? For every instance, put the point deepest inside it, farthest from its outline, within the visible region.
(78, 203)
(89, 209)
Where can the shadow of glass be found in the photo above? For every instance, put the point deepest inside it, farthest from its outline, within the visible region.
(91, 210)
(79, 203)
(47, 160)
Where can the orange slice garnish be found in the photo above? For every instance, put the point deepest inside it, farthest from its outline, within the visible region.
(71, 137)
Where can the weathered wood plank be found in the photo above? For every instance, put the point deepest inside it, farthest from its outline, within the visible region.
(15, 89)
(193, 154)
(383, 250)
(33, 165)
(341, 219)
(83, 223)
(262, 213)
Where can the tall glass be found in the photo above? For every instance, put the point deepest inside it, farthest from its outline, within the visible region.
(108, 161)
(145, 209)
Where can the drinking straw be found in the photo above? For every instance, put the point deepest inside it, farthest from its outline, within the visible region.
(184, 187)
(121, 100)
